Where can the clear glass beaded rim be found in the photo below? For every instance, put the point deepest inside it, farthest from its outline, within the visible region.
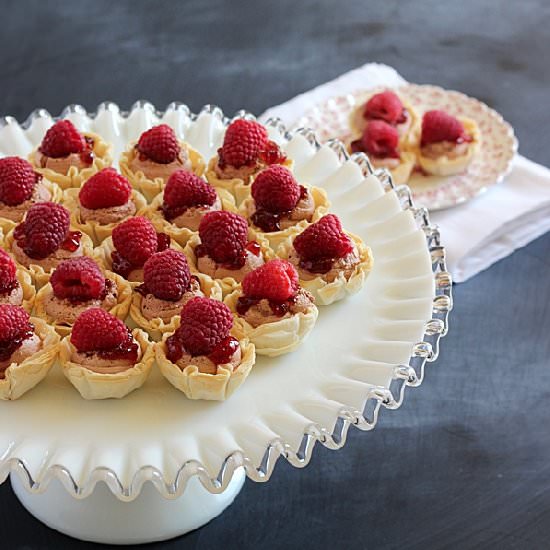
(410, 375)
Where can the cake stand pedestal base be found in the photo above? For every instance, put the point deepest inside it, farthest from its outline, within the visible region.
(101, 517)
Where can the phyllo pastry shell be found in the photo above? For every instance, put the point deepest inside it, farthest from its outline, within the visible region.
(400, 168)
(327, 292)
(199, 385)
(157, 327)
(455, 160)
(151, 187)
(237, 186)
(289, 227)
(121, 295)
(27, 292)
(182, 234)
(97, 231)
(227, 283)
(10, 220)
(39, 274)
(102, 385)
(276, 337)
(68, 175)
(21, 377)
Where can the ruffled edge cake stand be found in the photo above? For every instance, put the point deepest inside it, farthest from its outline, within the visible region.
(156, 487)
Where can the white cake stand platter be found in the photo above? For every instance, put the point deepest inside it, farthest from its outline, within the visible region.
(155, 465)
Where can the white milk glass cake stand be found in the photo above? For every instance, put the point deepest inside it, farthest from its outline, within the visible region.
(155, 465)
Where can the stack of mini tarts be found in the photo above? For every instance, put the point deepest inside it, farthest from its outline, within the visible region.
(330, 276)
(186, 219)
(83, 218)
(21, 376)
(168, 285)
(149, 176)
(16, 172)
(81, 273)
(231, 359)
(235, 167)
(105, 380)
(69, 168)
(272, 310)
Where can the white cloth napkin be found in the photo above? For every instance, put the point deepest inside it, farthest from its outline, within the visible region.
(479, 232)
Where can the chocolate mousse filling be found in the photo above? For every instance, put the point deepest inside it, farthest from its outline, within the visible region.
(8, 348)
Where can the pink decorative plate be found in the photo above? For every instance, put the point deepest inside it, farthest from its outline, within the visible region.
(492, 163)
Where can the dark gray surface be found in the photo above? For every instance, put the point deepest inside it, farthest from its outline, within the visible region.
(464, 463)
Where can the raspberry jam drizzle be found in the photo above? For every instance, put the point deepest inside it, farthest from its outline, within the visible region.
(253, 247)
(6, 290)
(271, 221)
(220, 355)
(87, 156)
(8, 348)
(127, 351)
(322, 265)
(279, 309)
(121, 266)
(70, 243)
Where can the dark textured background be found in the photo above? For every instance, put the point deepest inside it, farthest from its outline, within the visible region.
(464, 463)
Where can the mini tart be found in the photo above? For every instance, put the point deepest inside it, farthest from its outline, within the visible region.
(94, 385)
(157, 327)
(238, 187)
(327, 293)
(198, 385)
(120, 309)
(29, 292)
(407, 137)
(444, 165)
(275, 338)
(227, 284)
(96, 231)
(21, 377)
(75, 177)
(275, 238)
(400, 170)
(39, 275)
(102, 256)
(181, 234)
(150, 188)
(7, 224)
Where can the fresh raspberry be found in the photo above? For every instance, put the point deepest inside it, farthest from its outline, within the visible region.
(276, 190)
(15, 325)
(204, 324)
(43, 230)
(276, 280)
(135, 240)
(17, 180)
(8, 270)
(243, 142)
(159, 144)
(166, 275)
(185, 189)
(97, 330)
(439, 126)
(384, 106)
(78, 279)
(380, 139)
(105, 189)
(323, 239)
(223, 235)
(62, 139)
